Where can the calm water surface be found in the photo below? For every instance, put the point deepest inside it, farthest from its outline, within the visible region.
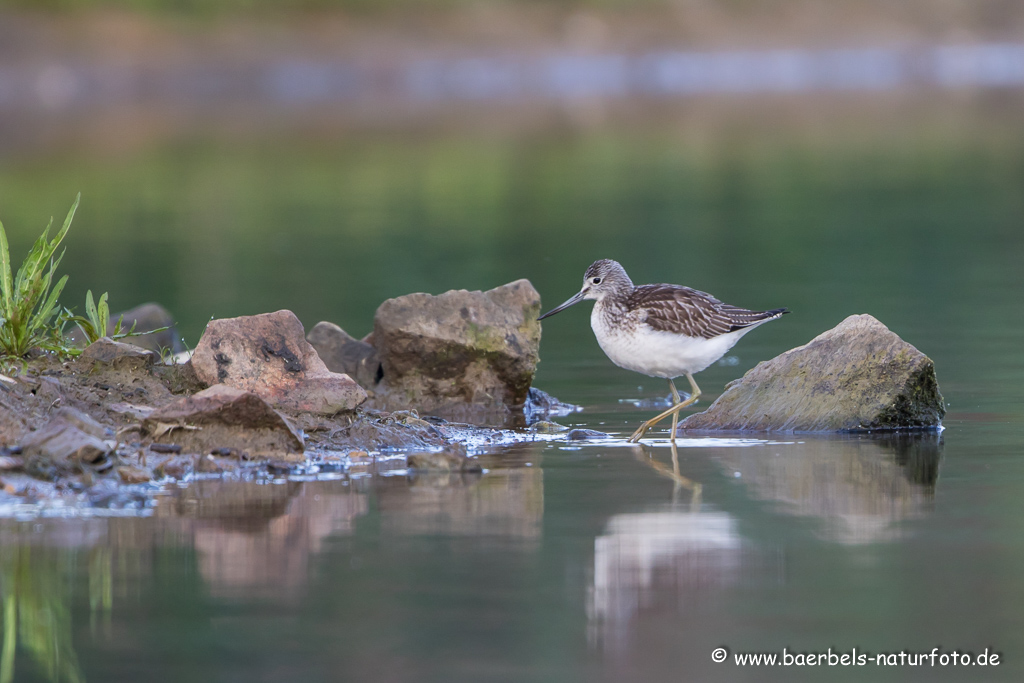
(562, 562)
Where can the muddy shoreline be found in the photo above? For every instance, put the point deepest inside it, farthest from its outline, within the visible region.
(139, 467)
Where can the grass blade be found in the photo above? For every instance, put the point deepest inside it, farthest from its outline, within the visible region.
(6, 300)
(90, 313)
(67, 222)
(42, 317)
(104, 315)
(32, 264)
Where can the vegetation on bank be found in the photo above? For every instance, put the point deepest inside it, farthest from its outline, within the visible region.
(30, 315)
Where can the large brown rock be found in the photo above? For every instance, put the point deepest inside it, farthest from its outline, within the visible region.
(459, 347)
(858, 376)
(223, 417)
(269, 355)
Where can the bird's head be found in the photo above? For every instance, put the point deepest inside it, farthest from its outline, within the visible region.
(602, 278)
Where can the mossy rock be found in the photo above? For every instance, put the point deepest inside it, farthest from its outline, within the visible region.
(458, 347)
(858, 376)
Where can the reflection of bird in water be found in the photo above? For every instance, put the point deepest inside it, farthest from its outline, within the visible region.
(661, 330)
(679, 481)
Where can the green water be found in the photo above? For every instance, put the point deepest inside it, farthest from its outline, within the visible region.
(562, 562)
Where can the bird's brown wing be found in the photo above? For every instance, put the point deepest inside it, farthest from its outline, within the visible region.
(681, 310)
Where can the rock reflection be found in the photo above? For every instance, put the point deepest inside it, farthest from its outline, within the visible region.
(859, 486)
(258, 538)
(508, 503)
(251, 540)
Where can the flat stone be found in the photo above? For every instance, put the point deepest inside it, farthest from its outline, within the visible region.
(66, 443)
(118, 354)
(130, 474)
(459, 347)
(858, 376)
(138, 412)
(268, 354)
(223, 417)
(343, 353)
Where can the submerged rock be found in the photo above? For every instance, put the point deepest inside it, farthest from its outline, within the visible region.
(223, 417)
(858, 376)
(541, 404)
(372, 430)
(341, 352)
(585, 435)
(268, 354)
(442, 461)
(546, 427)
(459, 347)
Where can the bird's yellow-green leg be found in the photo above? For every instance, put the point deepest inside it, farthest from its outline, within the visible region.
(673, 411)
(675, 415)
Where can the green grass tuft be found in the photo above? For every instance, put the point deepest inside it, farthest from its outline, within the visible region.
(29, 315)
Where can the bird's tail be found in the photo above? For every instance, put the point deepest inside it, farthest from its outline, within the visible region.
(741, 318)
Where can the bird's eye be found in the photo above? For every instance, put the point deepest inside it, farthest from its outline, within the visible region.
(596, 280)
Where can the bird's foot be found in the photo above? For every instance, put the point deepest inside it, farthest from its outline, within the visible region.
(639, 433)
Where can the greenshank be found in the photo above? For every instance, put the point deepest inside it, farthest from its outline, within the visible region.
(661, 330)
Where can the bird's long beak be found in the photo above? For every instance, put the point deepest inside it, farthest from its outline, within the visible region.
(574, 300)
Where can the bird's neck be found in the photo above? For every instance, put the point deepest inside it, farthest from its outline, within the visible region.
(616, 297)
(612, 304)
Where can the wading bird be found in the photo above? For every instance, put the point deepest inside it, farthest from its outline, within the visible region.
(661, 330)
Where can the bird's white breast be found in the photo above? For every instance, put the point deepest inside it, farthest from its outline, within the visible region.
(634, 345)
